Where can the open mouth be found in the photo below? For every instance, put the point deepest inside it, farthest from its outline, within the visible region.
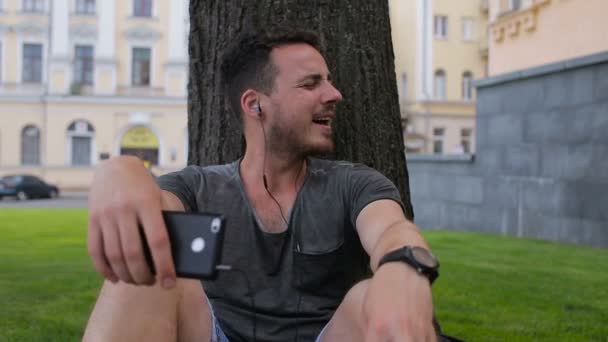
(323, 121)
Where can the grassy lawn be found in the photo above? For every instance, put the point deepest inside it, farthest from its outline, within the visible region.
(491, 288)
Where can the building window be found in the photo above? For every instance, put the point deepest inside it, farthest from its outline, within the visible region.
(467, 85)
(142, 8)
(514, 5)
(140, 73)
(33, 6)
(80, 136)
(438, 134)
(30, 145)
(467, 29)
(32, 63)
(441, 26)
(465, 139)
(85, 6)
(439, 91)
(83, 64)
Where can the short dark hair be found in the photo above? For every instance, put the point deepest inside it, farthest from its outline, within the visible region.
(246, 64)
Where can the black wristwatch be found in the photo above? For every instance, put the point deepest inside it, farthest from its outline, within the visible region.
(422, 260)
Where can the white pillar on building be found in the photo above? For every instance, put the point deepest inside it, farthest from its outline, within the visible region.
(177, 63)
(59, 61)
(105, 59)
(424, 49)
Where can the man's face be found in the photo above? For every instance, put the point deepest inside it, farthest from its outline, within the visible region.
(302, 102)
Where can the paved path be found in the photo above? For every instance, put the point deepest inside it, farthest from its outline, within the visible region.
(65, 200)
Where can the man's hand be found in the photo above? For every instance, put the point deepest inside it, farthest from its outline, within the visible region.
(398, 305)
(124, 195)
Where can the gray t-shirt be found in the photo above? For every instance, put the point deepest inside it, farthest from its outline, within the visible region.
(286, 284)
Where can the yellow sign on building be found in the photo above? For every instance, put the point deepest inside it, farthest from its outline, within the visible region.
(139, 137)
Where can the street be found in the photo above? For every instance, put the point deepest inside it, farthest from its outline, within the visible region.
(65, 200)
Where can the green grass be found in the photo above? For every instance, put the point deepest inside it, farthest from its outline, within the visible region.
(495, 288)
(47, 281)
(491, 288)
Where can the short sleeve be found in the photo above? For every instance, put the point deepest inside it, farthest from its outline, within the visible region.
(366, 185)
(183, 184)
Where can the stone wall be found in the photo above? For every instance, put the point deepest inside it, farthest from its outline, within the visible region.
(541, 167)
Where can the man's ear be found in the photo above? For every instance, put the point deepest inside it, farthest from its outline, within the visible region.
(250, 104)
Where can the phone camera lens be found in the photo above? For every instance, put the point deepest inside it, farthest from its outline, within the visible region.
(215, 225)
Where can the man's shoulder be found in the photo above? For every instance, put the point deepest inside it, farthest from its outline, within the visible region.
(220, 170)
(337, 167)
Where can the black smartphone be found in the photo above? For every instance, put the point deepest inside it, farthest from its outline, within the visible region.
(196, 243)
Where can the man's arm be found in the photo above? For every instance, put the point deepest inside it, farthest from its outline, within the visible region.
(124, 195)
(398, 303)
(382, 228)
(125, 312)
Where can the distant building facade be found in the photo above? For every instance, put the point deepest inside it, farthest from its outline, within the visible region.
(440, 48)
(530, 33)
(84, 80)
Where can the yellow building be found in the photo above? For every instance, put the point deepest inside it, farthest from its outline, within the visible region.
(83, 80)
(529, 33)
(440, 48)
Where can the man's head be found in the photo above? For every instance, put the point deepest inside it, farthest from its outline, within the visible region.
(280, 79)
(246, 63)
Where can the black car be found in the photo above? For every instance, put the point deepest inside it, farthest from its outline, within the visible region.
(26, 186)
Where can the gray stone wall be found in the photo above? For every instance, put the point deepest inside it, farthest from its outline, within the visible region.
(541, 168)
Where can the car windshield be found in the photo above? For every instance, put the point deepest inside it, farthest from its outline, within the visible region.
(12, 179)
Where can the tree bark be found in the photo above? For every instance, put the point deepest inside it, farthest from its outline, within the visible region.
(359, 52)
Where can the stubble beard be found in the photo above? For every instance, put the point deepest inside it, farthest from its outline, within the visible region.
(289, 142)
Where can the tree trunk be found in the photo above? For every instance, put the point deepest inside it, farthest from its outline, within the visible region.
(359, 53)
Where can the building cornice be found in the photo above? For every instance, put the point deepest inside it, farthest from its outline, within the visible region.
(142, 33)
(575, 63)
(85, 31)
(99, 100)
(514, 22)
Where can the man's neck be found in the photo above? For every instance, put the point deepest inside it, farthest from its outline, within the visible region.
(282, 174)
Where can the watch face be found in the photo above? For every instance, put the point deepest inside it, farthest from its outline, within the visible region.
(424, 257)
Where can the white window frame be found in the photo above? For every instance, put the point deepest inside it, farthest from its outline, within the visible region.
(439, 138)
(73, 52)
(468, 139)
(467, 86)
(131, 9)
(441, 26)
(83, 41)
(39, 145)
(129, 76)
(43, 69)
(69, 135)
(515, 5)
(440, 91)
(468, 29)
(45, 7)
(2, 60)
(75, 6)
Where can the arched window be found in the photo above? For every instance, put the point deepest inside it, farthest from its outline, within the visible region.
(30, 145)
(80, 136)
(467, 85)
(439, 91)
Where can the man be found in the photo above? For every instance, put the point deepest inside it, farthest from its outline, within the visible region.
(302, 233)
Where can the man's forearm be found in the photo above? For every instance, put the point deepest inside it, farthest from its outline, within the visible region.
(399, 234)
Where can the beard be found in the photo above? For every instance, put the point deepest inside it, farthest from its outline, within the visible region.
(292, 142)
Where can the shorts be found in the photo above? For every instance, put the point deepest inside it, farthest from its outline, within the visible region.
(218, 335)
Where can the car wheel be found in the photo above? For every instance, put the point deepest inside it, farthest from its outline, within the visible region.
(53, 194)
(22, 196)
